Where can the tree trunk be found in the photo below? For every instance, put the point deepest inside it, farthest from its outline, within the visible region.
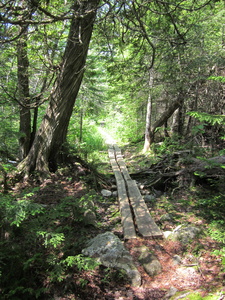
(166, 115)
(53, 129)
(24, 96)
(81, 126)
(148, 114)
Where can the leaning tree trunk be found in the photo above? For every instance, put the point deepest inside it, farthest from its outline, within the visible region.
(53, 129)
(166, 115)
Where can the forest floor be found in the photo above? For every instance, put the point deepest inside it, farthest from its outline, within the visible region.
(200, 276)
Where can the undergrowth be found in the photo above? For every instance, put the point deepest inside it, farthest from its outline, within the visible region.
(39, 245)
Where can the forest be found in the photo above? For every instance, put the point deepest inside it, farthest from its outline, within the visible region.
(77, 75)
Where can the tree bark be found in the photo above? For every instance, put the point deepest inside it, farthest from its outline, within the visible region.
(148, 114)
(166, 115)
(24, 95)
(53, 129)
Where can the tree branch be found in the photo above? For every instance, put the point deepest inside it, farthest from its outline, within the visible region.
(145, 34)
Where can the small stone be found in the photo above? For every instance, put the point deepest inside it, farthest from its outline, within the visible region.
(141, 186)
(115, 193)
(90, 217)
(177, 260)
(106, 193)
(167, 234)
(172, 291)
(114, 187)
(150, 262)
(149, 198)
(158, 193)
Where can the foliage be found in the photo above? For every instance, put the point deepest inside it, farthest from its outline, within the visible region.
(8, 134)
(81, 262)
(218, 78)
(36, 239)
(188, 41)
(168, 146)
(212, 203)
(197, 296)
(217, 232)
(92, 141)
(209, 118)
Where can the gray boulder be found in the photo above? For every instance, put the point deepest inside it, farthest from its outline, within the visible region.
(106, 193)
(183, 234)
(149, 261)
(109, 251)
(149, 198)
(90, 217)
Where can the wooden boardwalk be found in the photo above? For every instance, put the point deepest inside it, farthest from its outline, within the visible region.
(134, 211)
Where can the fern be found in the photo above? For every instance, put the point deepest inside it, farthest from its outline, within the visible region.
(217, 78)
(205, 117)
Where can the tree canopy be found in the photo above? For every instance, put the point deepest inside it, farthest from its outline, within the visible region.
(149, 74)
(180, 42)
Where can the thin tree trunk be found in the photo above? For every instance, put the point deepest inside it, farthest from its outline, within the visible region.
(166, 115)
(24, 96)
(149, 113)
(81, 126)
(53, 129)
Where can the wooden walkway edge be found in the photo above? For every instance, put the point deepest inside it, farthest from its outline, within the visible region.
(133, 209)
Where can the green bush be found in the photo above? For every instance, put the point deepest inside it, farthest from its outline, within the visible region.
(35, 244)
(92, 140)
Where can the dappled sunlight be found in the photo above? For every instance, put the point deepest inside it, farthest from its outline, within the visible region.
(109, 140)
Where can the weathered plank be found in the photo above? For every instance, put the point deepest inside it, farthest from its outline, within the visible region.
(130, 196)
(111, 152)
(123, 168)
(121, 162)
(145, 224)
(125, 210)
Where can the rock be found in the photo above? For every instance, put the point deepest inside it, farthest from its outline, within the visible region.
(109, 251)
(115, 193)
(177, 260)
(149, 261)
(141, 186)
(114, 187)
(172, 291)
(167, 234)
(158, 193)
(149, 198)
(90, 217)
(106, 193)
(184, 234)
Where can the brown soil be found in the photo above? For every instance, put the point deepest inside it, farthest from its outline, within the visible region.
(200, 270)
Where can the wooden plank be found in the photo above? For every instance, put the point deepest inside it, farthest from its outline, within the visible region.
(125, 210)
(121, 162)
(117, 151)
(145, 224)
(129, 194)
(111, 153)
(123, 168)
